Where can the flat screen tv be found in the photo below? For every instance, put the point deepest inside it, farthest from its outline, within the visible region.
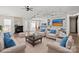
(18, 29)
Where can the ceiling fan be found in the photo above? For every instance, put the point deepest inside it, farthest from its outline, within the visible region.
(28, 8)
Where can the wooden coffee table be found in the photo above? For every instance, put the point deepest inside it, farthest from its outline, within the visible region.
(33, 39)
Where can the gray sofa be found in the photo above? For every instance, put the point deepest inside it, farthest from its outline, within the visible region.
(19, 48)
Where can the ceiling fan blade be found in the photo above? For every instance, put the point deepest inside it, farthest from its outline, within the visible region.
(31, 10)
(25, 7)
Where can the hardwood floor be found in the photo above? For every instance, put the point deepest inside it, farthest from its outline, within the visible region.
(39, 48)
(42, 47)
(76, 41)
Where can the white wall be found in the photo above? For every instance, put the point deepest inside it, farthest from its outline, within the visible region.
(68, 26)
(18, 21)
(1, 20)
(26, 24)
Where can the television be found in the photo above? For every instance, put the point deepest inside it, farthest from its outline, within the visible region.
(18, 29)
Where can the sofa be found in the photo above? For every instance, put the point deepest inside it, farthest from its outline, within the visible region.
(19, 48)
(54, 47)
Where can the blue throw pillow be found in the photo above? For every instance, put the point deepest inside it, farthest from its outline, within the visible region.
(8, 42)
(53, 31)
(42, 30)
(7, 34)
(63, 41)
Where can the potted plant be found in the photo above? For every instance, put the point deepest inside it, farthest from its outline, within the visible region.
(0, 28)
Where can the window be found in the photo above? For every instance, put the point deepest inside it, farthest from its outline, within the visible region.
(32, 26)
(7, 25)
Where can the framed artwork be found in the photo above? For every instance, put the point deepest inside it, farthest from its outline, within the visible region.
(57, 22)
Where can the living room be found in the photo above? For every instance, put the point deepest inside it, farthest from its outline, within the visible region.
(39, 29)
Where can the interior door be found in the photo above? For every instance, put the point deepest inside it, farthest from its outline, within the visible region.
(73, 24)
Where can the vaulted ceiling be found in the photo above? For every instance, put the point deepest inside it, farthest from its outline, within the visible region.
(39, 11)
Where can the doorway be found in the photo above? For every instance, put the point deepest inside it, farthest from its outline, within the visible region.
(73, 24)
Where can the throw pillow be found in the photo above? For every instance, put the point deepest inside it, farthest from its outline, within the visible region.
(8, 42)
(63, 41)
(42, 30)
(7, 34)
(53, 31)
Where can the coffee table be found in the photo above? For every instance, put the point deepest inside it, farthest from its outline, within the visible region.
(34, 39)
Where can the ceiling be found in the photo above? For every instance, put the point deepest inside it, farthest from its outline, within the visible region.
(39, 11)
